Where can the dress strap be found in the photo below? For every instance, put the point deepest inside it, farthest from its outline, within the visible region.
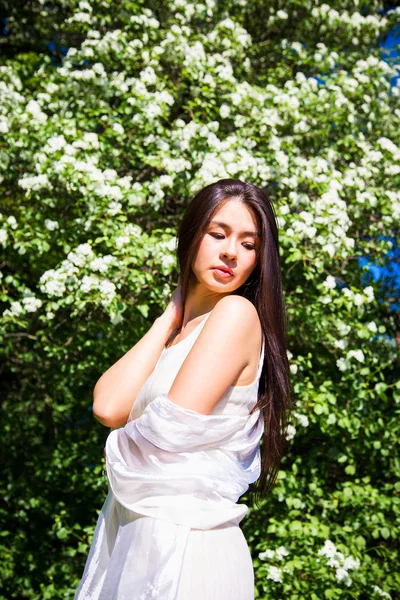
(261, 361)
(195, 332)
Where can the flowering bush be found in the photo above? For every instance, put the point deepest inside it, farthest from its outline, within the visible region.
(104, 137)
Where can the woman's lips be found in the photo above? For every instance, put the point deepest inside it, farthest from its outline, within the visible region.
(222, 273)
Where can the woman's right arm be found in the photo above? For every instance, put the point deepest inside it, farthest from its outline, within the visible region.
(115, 392)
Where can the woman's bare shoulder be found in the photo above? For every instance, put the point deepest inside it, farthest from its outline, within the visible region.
(236, 306)
(237, 311)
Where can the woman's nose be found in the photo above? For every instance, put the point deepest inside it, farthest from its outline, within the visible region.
(230, 251)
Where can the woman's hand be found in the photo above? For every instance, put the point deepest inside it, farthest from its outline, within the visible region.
(174, 310)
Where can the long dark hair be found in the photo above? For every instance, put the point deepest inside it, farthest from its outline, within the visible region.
(264, 289)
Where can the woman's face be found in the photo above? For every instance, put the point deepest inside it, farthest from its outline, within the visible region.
(230, 240)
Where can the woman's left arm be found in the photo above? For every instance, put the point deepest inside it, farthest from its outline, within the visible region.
(218, 356)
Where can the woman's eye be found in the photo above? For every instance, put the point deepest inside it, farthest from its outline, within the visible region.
(219, 236)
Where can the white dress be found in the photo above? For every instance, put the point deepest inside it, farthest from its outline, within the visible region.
(169, 527)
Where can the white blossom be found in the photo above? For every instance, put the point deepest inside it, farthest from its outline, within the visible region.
(342, 364)
(358, 299)
(343, 328)
(171, 245)
(302, 419)
(33, 108)
(390, 146)
(89, 283)
(109, 191)
(36, 182)
(330, 282)
(167, 260)
(284, 209)
(83, 5)
(92, 139)
(81, 17)
(339, 562)
(117, 127)
(116, 318)
(121, 240)
(51, 225)
(369, 292)
(281, 14)
(342, 575)
(358, 354)
(55, 143)
(15, 310)
(133, 230)
(114, 208)
(52, 282)
(381, 592)
(148, 76)
(274, 573)
(340, 344)
(81, 255)
(392, 169)
(4, 126)
(12, 221)
(351, 563)
(224, 111)
(99, 69)
(165, 97)
(328, 549)
(330, 249)
(108, 289)
(125, 182)
(102, 263)
(290, 432)
(266, 554)
(31, 304)
(281, 552)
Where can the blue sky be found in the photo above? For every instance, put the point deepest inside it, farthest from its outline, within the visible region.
(390, 272)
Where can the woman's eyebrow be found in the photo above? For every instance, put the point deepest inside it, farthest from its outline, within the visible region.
(226, 226)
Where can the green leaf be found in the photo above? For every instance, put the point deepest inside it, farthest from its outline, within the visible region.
(360, 541)
(350, 470)
(62, 533)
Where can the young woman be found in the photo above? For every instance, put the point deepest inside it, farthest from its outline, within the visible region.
(190, 403)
